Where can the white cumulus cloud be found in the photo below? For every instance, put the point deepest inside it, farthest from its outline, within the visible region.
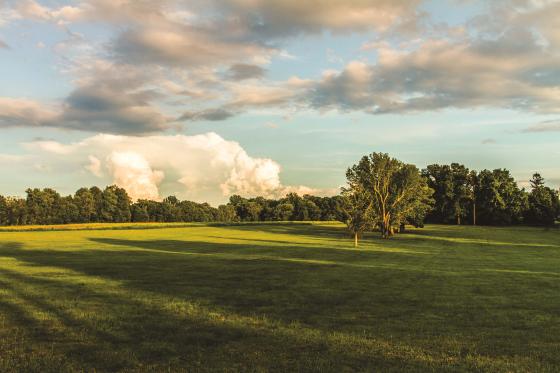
(202, 167)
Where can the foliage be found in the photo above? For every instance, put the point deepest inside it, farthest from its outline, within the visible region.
(397, 191)
(499, 199)
(452, 192)
(488, 197)
(358, 208)
(113, 205)
(544, 205)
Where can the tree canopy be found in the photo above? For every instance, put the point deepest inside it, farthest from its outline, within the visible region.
(398, 194)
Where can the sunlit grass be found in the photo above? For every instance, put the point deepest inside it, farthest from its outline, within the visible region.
(279, 297)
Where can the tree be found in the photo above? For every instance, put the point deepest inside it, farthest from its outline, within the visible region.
(171, 209)
(139, 211)
(247, 210)
(473, 190)
(283, 211)
(226, 213)
(397, 191)
(16, 210)
(85, 203)
(97, 196)
(3, 211)
(109, 205)
(452, 192)
(66, 211)
(357, 203)
(313, 211)
(123, 205)
(41, 206)
(499, 199)
(544, 205)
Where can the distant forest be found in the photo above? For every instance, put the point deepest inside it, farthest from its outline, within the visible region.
(458, 196)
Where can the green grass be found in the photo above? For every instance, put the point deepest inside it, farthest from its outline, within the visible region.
(280, 297)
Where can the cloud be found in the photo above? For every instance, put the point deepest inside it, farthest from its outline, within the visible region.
(132, 171)
(3, 45)
(185, 46)
(349, 89)
(208, 114)
(248, 95)
(281, 18)
(243, 71)
(488, 141)
(202, 167)
(88, 110)
(23, 112)
(546, 126)
(32, 9)
(208, 60)
(94, 166)
(108, 98)
(110, 110)
(512, 71)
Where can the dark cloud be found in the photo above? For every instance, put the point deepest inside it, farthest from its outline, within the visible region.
(281, 18)
(4, 45)
(208, 114)
(112, 111)
(243, 71)
(488, 141)
(91, 108)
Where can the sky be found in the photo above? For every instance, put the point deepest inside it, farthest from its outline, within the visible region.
(205, 99)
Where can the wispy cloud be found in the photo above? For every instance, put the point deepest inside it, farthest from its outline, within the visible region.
(546, 126)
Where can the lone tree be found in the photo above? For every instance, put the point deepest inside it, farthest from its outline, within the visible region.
(397, 192)
(357, 205)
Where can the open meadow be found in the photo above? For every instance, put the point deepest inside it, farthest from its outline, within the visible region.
(279, 297)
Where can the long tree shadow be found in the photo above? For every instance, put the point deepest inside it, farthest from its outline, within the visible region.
(309, 230)
(413, 240)
(306, 285)
(138, 328)
(288, 284)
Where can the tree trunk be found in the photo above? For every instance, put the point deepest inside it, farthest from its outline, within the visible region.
(474, 213)
(402, 228)
(458, 219)
(356, 239)
(385, 230)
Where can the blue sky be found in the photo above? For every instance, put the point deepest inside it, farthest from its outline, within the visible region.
(206, 99)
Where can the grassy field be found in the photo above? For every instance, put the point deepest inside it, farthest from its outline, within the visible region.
(280, 297)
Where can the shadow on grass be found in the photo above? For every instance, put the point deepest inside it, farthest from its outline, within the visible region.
(274, 304)
(465, 236)
(127, 324)
(308, 230)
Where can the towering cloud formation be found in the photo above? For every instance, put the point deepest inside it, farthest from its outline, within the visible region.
(202, 167)
(132, 171)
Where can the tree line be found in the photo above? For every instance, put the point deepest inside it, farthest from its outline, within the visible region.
(382, 193)
(113, 205)
(385, 194)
